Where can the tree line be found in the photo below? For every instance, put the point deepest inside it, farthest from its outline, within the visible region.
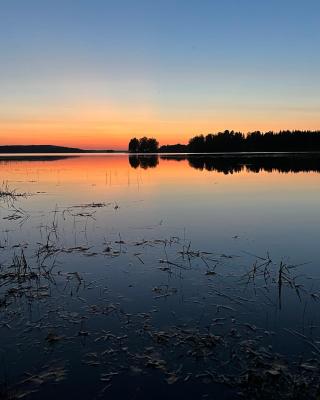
(231, 141)
(143, 145)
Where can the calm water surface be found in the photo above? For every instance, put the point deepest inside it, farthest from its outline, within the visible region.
(177, 277)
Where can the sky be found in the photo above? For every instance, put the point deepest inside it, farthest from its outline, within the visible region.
(94, 73)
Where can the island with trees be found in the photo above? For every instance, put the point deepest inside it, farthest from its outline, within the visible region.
(143, 145)
(231, 141)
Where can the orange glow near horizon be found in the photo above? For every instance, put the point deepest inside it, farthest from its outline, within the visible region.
(94, 74)
(91, 126)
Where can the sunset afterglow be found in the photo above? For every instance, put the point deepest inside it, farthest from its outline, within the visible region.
(94, 74)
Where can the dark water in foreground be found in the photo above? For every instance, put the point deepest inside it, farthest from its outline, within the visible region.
(173, 277)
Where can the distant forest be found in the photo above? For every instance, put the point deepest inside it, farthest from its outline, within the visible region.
(231, 141)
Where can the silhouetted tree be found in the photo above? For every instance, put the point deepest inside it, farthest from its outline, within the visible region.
(230, 141)
(197, 144)
(134, 145)
(174, 148)
(153, 145)
(143, 145)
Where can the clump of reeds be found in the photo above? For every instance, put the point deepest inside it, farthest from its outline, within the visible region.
(7, 193)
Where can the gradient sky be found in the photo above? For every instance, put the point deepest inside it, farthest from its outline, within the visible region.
(93, 73)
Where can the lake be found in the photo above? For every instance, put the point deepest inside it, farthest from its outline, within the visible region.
(171, 276)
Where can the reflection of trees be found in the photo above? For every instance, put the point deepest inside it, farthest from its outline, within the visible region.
(253, 163)
(228, 164)
(134, 161)
(145, 161)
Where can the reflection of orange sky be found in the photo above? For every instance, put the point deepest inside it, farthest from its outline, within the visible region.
(110, 127)
(115, 171)
(149, 195)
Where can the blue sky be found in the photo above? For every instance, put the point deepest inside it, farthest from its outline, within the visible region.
(172, 67)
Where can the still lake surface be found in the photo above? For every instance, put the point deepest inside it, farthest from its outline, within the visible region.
(172, 276)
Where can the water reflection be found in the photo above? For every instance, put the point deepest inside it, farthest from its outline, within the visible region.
(5, 159)
(229, 164)
(145, 161)
(222, 163)
(118, 276)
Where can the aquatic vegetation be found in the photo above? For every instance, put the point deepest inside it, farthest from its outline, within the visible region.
(100, 307)
(9, 195)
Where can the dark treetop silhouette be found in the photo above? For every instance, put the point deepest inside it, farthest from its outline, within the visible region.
(230, 141)
(143, 145)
